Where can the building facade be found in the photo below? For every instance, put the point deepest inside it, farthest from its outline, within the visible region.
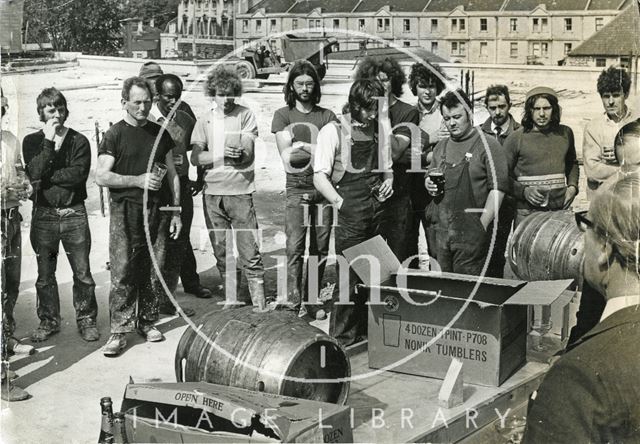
(11, 19)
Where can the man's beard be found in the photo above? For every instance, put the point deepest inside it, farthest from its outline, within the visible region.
(301, 100)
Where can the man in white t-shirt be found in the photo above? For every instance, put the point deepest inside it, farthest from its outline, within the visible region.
(223, 140)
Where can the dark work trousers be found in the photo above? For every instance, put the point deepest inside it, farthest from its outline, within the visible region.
(230, 217)
(506, 215)
(592, 304)
(11, 263)
(457, 239)
(420, 199)
(133, 276)
(180, 261)
(397, 210)
(69, 226)
(306, 211)
(359, 219)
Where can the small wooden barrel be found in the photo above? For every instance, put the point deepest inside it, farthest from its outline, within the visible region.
(238, 347)
(547, 245)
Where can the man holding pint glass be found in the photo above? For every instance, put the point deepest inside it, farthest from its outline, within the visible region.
(124, 157)
(467, 180)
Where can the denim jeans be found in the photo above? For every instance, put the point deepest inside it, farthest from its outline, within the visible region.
(306, 209)
(133, 276)
(180, 261)
(11, 263)
(50, 227)
(234, 216)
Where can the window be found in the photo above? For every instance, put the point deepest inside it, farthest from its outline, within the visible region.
(383, 24)
(544, 49)
(567, 48)
(458, 49)
(434, 47)
(245, 42)
(406, 44)
(568, 24)
(258, 25)
(361, 24)
(540, 49)
(273, 25)
(599, 24)
(245, 26)
(336, 23)
(315, 24)
(294, 23)
(483, 24)
(336, 47)
(434, 25)
(601, 62)
(513, 25)
(540, 24)
(406, 25)
(513, 49)
(463, 25)
(484, 49)
(458, 25)
(454, 24)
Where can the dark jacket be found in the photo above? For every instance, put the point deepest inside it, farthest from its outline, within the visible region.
(592, 393)
(486, 128)
(58, 178)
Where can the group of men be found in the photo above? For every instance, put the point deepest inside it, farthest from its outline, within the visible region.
(367, 165)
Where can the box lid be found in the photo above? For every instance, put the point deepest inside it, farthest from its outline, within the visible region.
(539, 292)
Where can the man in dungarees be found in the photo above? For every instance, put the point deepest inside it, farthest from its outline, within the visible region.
(461, 218)
(347, 167)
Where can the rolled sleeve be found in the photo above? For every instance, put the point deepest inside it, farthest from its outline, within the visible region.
(326, 148)
(199, 134)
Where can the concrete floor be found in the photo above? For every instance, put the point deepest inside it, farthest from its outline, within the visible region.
(67, 376)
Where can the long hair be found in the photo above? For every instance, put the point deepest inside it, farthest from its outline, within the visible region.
(421, 74)
(615, 211)
(363, 95)
(527, 118)
(301, 68)
(223, 78)
(370, 67)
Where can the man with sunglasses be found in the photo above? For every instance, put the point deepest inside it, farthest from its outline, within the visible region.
(591, 393)
(296, 128)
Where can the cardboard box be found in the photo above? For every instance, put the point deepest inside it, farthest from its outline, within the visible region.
(419, 321)
(203, 412)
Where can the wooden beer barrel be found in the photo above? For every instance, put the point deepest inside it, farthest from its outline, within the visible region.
(238, 347)
(547, 245)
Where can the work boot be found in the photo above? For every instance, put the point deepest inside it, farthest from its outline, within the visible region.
(15, 347)
(116, 343)
(199, 292)
(256, 290)
(12, 393)
(43, 332)
(89, 331)
(150, 332)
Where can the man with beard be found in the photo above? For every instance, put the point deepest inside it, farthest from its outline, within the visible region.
(461, 212)
(224, 141)
(499, 125)
(541, 157)
(296, 128)
(405, 147)
(180, 261)
(352, 170)
(58, 161)
(123, 161)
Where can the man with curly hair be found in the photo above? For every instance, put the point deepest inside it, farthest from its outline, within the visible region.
(405, 147)
(223, 140)
(598, 155)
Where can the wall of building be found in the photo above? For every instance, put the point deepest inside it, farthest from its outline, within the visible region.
(11, 19)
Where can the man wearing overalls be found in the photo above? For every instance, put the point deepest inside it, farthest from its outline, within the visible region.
(354, 173)
(475, 181)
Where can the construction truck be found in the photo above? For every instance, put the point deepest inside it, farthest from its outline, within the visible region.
(261, 61)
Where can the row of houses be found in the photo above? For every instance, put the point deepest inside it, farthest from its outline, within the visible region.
(476, 31)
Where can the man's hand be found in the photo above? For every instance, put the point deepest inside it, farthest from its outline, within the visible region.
(534, 196)
(196, 187)
(386, 189)
(232, 152)
(149, 181)
(175, 226)
(569, 196)
(431, 187)
(50, 128)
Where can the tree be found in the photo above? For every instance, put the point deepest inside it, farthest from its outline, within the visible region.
(88, 26)
(160, 10)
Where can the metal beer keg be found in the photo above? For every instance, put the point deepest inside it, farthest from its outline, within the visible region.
(547, 245)
(272, 352)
